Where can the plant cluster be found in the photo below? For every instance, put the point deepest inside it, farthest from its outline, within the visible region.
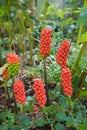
(43, 73)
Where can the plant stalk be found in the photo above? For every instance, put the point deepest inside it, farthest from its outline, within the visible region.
(21, 108)
(8, 97)
(15, 104)
(45, 114)
(5, 101)
(79, 35)
(83, 76)
(81, 27)
(74, 67)
(31, 25)
(46, 84)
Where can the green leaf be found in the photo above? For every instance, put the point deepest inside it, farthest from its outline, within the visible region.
(28, 107)
(84, 37)
(83, 93)
(69, 121)
(61, 116)
(79, 117)
(40, 122)
(68, 22)
(12, 129)
(82, 17)
(84, 125)
(4, 127)
(25, 120)
(60, 127)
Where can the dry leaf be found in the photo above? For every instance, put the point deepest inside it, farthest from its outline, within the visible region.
(3, 68)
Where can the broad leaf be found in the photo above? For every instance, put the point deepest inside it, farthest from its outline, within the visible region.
(61, 116)
(82, 17)
(60, 127)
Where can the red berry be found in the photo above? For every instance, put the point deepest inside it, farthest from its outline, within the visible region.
(13, 64)
(12, 58)
(66, 81)
(45, 42)
(40, 92)
(62, 53)
(35, 109)
(19, 92)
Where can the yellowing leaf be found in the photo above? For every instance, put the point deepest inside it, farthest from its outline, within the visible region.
(3, 68)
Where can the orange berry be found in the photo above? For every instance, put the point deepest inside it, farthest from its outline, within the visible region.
(62, 53)
(45, 42)
(40, 92)
(19, 92)
(12, 58)
(66, 81)
(35, 108)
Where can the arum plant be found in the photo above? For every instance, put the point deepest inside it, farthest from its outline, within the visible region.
(19, 93)
(13, 68)
(45, 45)
(5, 77)
(66, 76)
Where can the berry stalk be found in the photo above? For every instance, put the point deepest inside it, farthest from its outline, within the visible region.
(5, 101)
(21, 108)
(15, 104)
(40, 92)
(46, 83)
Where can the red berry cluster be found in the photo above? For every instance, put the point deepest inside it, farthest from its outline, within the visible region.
(40, 92)
(45, 42)
(35, 109)
(62, 53)
(5, 74)
(13, 64)
(19, 92)
(66, 81)
(12, 58)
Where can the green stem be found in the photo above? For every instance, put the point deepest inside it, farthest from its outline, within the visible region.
(83, 76)
(8, 97)
(5, 87)
(78, 58)
(81, 27)
(69, 102)
(74, 121)
(85, 3)
(15, 104)
(36, 3)
(31, 54)
(79, 34)
(31, 24)
(21, 108)
(45, 114)
(46, 84)
(1, 56)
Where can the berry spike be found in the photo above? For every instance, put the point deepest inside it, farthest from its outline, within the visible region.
(12, 58)
(66, 81)
(62, 53)
(45, 42)
(13, 64)
(40, 92)
(19, 92)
